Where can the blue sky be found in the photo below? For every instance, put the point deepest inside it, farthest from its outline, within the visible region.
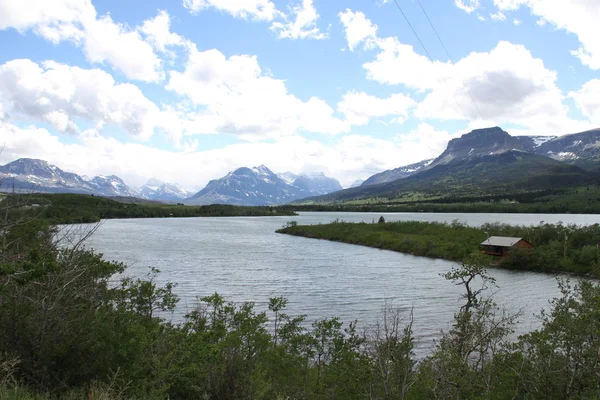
(185, 91)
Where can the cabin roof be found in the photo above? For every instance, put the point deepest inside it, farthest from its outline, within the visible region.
(501, 241)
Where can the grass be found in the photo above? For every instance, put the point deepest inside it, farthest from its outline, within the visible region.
(557, 248)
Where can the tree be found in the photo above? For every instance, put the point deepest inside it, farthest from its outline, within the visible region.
(463, 363)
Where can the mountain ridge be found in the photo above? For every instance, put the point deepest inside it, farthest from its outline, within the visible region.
(490, 160)
(261, 186)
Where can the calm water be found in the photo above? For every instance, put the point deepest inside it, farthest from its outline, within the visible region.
(244, 260)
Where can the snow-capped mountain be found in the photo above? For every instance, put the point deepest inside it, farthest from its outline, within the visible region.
(311, 183)
(32, 174)
(584, 145)
(582, 149)
(260, 186)
(288, 177)
(111, 186)
(155, 189)
(397, 173)
(28, 174)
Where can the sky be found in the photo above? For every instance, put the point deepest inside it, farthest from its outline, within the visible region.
(187, 90)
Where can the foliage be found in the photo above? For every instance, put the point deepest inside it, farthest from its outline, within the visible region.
(72, 327)
(556, 247)
(580, 199)
(80, 208)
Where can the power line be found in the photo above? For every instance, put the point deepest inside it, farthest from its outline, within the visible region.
(428, 55)
(449, 56)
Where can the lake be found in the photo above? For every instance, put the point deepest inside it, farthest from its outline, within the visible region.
(243, 259)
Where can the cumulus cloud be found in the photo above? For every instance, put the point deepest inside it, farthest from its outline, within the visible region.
(358, 29)
(102, 40)
(360, 107)
(505, 85)
(499, 16)
(587, 100)
(158, 32)
(301, 23)
(262, 10)
(60, 95)
(44, 15)
(233, 95)
(579, 17)
(350, 158)
(467, 6)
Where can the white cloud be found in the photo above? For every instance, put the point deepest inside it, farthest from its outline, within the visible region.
(41, 14)
(358, 29)
(467, 5)
(507, 85)
(263, 10)
(481, 17)
(579, 17)
(587, 100)
(60, 95)
(517, 22)
(425, 142)
(299, 23)
(234, 95)
(102, 39)
(158, 32)
(351, 158)
(124, 49)
(398, 63)
(504, 85)
(499, 16)
(359, 107)
(302, 26)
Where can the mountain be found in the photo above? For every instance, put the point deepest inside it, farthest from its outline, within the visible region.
(246, 186)
(260, 186)
(311, 183)
(582, 149)
(288, 177)
(398, 173)
(111, 186)
(32, 174)
(477, 143)
(161, 191)
(315, 184)
(489, 162)
(28, 174)
(485, 142)
(357, 183)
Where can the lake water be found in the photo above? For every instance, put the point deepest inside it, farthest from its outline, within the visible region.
(243, 259)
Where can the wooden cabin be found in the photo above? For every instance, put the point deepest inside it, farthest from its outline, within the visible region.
(501, 245)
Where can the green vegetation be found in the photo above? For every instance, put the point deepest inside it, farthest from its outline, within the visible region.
(72, 329)
(508, 182)
(557, 248)
(80, 208)
(576, 200)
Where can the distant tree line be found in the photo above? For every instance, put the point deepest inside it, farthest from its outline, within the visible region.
(80, 208)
